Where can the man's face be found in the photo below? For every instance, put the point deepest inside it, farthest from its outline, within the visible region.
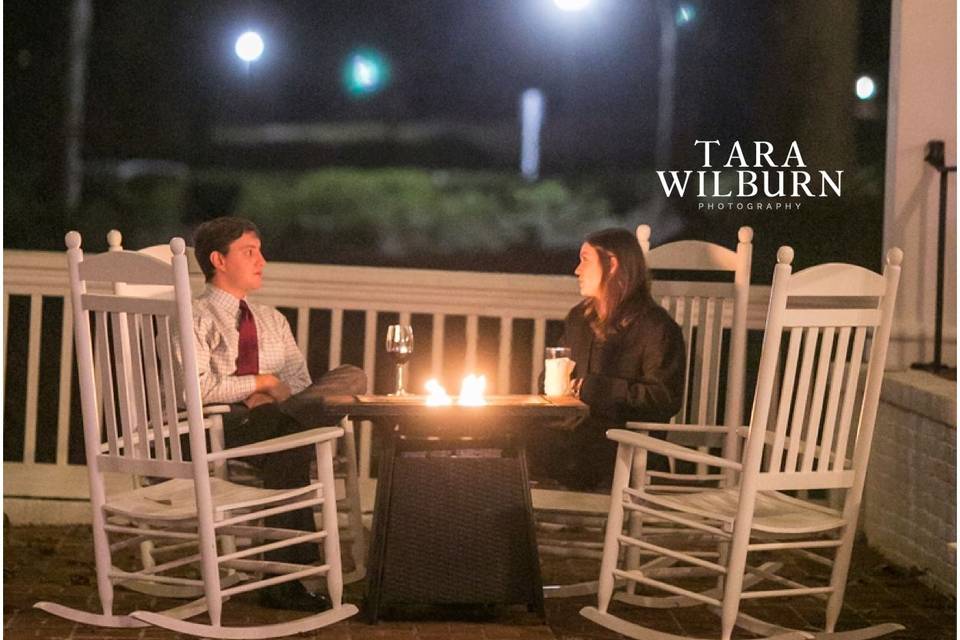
(240, 269)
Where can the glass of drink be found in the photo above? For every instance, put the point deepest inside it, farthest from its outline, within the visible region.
(399, 345)
(557, 367)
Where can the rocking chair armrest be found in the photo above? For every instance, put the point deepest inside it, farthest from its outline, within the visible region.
(292, 441)
(682, 428)
(208, 410)
(183, 428)
(669, 449)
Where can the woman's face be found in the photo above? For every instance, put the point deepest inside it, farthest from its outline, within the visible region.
(589, 272)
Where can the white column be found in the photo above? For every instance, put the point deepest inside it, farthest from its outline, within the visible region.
(922, 107)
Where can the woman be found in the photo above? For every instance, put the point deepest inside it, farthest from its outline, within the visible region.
(629, 356)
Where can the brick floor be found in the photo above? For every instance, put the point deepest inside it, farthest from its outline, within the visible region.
(55, 563)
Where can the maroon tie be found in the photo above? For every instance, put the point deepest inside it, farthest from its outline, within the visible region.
(248, 357)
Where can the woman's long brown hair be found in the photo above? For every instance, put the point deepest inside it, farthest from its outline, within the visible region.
(624, 292)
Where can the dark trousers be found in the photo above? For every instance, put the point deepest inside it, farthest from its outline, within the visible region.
(581, 459)
(291, 468)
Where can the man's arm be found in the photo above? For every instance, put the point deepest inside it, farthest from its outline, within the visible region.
(294, 372)
(656, 393)
(214, 388)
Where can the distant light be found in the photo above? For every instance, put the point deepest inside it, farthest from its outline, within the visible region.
(685, 14)
(572, 5)
(365, 72)
(249, 46)
(866, 88)
(531, 119)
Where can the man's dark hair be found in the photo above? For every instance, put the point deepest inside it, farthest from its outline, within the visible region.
(217, 235)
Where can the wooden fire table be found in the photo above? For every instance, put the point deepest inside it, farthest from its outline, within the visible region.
(453, 521)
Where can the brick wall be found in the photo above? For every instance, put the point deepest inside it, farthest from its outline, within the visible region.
(910, 507)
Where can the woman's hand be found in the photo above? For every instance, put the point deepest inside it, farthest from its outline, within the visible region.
(575, 386)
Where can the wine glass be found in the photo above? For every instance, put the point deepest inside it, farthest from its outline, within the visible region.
(399, 345)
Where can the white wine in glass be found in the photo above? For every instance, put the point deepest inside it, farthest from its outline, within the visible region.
(399, 345)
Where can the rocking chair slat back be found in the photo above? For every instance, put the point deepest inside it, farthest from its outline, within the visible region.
(137, 395)
(821, 372)
(712, 318)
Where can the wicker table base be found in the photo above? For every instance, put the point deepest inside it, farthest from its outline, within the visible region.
(452, 526)
(453, 521)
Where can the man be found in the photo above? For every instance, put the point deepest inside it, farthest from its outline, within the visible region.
(247, 357)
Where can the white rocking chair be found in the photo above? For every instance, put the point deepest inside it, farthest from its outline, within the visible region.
(141, 389)
(348, 501)
(151, 550)
(828, 310)
(709, 313)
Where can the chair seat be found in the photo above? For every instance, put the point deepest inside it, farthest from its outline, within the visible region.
(774, 512)
(176, 500)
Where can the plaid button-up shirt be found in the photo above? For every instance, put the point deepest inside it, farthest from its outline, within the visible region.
(215, 317)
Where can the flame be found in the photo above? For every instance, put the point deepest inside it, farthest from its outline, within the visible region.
(471, 391)
(436, 394)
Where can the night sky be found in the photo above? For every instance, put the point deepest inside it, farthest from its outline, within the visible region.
(160, 73)
(163, 79)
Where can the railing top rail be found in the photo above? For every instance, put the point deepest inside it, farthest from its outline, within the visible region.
(350, 287)
(298, 285)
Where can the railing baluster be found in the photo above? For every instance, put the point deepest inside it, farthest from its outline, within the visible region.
(66, 377)
(336, 337)
(6, 320)
(503, 357)
(701, 380)
(303, 329)
(436, 348)
(369, 362)
(539, 339)
(713, 400)
(33, 379)
(470, 361)
(370, 345)
(687, 323)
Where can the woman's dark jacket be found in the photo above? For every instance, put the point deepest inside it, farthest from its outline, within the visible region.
(634, 374)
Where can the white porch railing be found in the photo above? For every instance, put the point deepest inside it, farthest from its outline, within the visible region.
(517, 313)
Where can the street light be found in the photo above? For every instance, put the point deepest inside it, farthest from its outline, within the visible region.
(685, 14)
(366, 72)
(249, 46)
(866, 88)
